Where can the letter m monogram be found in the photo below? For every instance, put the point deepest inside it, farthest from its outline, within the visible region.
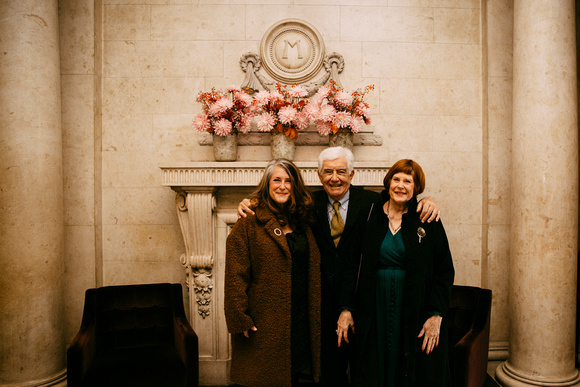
(292, 45)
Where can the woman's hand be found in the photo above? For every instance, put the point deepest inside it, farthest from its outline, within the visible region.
(247, 333)
(430, 333)
(429, 210)
(344, 323)
(245, 208)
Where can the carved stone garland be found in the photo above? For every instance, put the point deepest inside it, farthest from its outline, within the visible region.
(251, 63)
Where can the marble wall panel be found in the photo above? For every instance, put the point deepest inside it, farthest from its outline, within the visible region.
(127, 22)
(406, 133)
(122, 273)
(454, 25)
(151, 2)
(140, 243)
(457, 134)
(175, 140)
(341, 2)
(138, 205)
(431, 96)
(198, 22)
(436, 3)
(324, 18)
(421, 60)
(130, 132)
(456, 169)
(465, 245)
(140, 169)
(389, 24)
(150, 95)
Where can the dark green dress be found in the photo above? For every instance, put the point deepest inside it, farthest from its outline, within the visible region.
(390, 281)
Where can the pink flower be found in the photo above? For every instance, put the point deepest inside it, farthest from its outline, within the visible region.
(220, 107)
(201, 123)
(312, 110)
(343, 98)
(364, 111)
(297, 91)
(326, 113)
(246, 124)
(233, 88)
(262, 97)
(244, 98)
(223, 127)
(322, 92)
(341, 119)
(302, 121)
(324, 128)
(355, 124)
(275, 95)
(286, 114)
(265, 122)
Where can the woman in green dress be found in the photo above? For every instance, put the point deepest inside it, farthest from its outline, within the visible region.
(403, 287)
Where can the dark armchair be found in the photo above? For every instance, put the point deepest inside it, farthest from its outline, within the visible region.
(134, 335)
(468, 321)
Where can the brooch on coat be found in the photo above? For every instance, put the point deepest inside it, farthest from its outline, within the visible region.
(421, 233)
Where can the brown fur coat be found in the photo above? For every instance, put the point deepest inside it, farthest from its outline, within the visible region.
(258, 293)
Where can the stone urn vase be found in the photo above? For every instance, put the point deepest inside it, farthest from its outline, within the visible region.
(282, 146)
(344, 138)
(225, 148)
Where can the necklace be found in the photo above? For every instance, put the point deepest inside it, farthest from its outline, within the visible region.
(391, 225)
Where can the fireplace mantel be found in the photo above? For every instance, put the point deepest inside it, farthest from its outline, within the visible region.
(182, 177)
(205, 227)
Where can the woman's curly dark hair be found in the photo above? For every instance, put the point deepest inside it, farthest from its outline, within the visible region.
(298, 211)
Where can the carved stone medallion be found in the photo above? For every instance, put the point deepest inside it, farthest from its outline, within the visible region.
(292, 51)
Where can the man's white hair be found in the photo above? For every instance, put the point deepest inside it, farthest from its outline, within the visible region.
(334, 153)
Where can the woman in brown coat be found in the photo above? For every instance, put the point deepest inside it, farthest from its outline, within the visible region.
(272, 284)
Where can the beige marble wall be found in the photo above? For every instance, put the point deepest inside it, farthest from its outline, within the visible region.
(442, 97)
(78, 85)
(425, 59)
(498, 167)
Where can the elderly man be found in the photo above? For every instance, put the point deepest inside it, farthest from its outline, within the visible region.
(341, 210)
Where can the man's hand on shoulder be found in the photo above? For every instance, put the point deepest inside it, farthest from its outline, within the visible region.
(429, 210)
(245, 208)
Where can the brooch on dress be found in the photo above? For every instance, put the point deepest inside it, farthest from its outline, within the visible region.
(421, 233)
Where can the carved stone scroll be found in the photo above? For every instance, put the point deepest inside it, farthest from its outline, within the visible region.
(195, 209)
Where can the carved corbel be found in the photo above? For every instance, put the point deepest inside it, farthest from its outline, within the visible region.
(195, 211)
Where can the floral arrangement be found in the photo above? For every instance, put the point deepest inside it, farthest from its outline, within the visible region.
(281, 109)
(332, 108)
(285, 109)
(225, 112)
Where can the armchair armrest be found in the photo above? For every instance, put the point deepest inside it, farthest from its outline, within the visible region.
(471, 351)
(186, 343)
(80, 354)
